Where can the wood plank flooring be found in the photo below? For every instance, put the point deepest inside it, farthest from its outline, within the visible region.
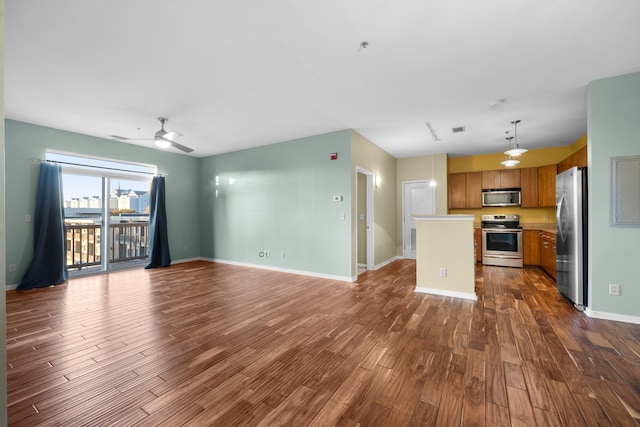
(212, 344)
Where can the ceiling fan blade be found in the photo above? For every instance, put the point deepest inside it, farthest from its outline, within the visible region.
(181, 147)
(124, 138)
(162, 138)
(171, 135)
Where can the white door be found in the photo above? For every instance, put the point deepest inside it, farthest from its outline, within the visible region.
(418, 198)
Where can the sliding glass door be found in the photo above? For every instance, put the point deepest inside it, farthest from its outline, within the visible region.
(106, 209)
(83, 221)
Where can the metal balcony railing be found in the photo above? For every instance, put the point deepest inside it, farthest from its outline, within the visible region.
(128, 242)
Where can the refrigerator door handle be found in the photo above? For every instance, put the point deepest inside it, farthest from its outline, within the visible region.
(561, 216)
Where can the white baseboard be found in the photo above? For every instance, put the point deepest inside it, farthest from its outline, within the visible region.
(284, 270)
(446, 293)
(180, 261)
(612, 316)
(383, 263)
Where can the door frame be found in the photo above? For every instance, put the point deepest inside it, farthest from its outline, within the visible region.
(369, 214)
(106, 242)
(405, 244)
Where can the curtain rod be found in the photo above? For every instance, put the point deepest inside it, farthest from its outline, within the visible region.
(98, 167)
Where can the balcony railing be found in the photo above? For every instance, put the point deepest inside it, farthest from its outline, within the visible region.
(128, 242)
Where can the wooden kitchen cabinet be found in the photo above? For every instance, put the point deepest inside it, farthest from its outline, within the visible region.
(457, 190)
(465, 190)
(538, 186)
(548, 252)
(477, 237)
(529, 193)
(508, 178)
(474, 190)
(579, 158)
(531, 250)
(547, 186)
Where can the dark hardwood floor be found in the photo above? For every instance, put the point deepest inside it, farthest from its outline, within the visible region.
(213, 344)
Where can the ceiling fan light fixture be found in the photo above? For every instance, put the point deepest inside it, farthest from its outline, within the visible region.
(161, 142)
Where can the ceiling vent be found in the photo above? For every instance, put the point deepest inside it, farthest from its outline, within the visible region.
(457, 129)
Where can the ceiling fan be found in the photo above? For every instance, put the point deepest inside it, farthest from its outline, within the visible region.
(162, 138)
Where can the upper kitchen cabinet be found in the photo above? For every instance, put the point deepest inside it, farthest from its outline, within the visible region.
(465, 190)
(474, 190)
(579, 159)
(538, 187)
(547, 186)
(507, 178)
(457, 190)
(529, 181)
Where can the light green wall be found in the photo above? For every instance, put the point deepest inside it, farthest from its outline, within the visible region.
(369, 156)
(613, 130)
(3, 263)
(25, 142)
(419, 169)
(279, 198)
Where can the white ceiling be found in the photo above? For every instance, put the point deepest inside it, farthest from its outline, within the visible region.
(231, 75)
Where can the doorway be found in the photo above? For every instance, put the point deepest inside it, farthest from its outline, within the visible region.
(418, 198)
(364, 221)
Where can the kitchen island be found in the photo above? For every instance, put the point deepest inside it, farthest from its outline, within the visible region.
(445, 255)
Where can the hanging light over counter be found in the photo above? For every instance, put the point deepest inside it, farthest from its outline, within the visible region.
(515, 150)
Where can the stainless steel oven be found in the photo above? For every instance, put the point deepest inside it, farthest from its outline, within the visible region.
(502, 240)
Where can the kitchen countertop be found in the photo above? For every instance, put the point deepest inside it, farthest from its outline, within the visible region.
(542, 226)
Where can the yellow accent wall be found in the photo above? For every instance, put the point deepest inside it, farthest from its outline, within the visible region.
(487, 162)
(533, 158)
(528, 216)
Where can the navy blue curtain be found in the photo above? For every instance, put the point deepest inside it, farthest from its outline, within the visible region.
(48, 266)
(158, 238)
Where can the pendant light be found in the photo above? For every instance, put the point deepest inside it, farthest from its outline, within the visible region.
(515, 150)
(510, 162)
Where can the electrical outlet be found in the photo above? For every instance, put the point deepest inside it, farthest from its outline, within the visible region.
(12, 268)
(443, 272)
(614, 289)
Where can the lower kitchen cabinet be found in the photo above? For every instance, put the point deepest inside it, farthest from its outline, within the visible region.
(477, 237)
(548, 252)
(531, 250)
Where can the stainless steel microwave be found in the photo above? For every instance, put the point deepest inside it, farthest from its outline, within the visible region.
(503, 197)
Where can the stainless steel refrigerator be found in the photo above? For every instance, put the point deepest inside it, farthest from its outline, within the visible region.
(571, 235)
